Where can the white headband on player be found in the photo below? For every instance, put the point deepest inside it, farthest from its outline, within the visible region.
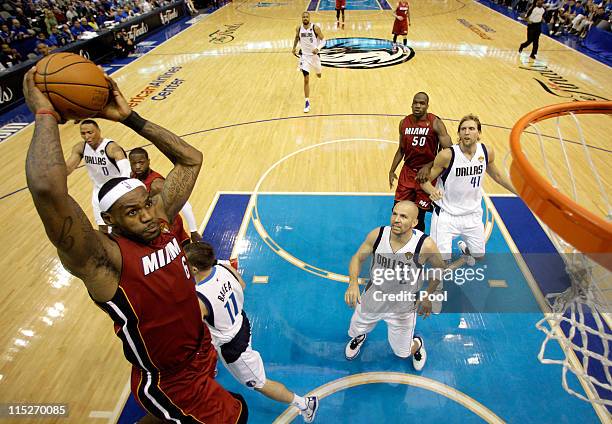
(119, 190)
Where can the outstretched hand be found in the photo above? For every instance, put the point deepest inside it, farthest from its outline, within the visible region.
(117, 108)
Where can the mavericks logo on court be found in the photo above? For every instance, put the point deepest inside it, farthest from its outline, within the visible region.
(363, 53)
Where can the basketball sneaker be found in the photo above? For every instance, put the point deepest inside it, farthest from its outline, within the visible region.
(420, 356)
(469, 259)
(312, 404)
(354, 346)
(307, 106)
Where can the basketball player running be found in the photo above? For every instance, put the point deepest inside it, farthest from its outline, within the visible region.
(138, 274)
(104, 159)
(220, 289)
(154, 182)
(311, 41)
(340, 6)
(457, 195)
(397, 246)
(402, 21)
(420, 136)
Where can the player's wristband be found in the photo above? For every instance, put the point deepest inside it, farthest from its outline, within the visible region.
(134, 121)
(49, 112)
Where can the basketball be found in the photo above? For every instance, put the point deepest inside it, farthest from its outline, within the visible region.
(75, 86)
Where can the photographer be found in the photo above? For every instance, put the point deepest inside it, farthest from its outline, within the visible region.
(124, 45)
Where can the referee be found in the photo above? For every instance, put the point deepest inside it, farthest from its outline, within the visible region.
(534, 27)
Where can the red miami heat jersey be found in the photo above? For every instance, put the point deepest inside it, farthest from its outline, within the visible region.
(177, 224)
(155, 309)
(151, 176)
(419, 141)
(157, 317)
(402, 10)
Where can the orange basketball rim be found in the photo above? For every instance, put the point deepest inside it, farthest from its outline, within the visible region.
(583, 229)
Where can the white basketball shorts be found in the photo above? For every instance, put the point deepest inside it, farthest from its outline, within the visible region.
(400, 328)
(446, 227)
(248, 369)
(310, 63)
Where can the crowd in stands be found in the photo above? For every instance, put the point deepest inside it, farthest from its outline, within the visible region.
(30, 29)
(568, 17)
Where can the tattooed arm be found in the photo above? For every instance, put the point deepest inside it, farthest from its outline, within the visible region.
(83, 251)
(187, 163)
(186, 159)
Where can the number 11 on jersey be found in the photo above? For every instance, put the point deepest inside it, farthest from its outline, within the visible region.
(228, 307)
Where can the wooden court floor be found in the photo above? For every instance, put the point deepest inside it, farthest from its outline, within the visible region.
(57, 347)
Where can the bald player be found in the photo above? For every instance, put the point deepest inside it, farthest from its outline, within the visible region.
(398, 252)
(311, 41)
(421, 135)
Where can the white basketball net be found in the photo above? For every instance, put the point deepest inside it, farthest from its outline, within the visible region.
(583, 310)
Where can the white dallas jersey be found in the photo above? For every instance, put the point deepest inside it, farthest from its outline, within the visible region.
(100, 167)
(461, 182)
(404, 259)
(222, 294)
(308, 39)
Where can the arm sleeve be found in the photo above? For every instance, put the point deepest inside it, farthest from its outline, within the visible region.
(124, 167)
(188, 215)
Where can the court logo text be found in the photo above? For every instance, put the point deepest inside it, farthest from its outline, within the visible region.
(363, 53)
(558, 85)
(482, 34)
(269, 4)
(486, 28)
(166, 81)
(222, 36)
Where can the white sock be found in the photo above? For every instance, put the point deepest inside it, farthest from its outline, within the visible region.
(307, 99)
(299, 402)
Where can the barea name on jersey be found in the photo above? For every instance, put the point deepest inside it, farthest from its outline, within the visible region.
(161, 257)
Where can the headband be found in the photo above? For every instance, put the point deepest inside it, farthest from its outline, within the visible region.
(119, 190)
